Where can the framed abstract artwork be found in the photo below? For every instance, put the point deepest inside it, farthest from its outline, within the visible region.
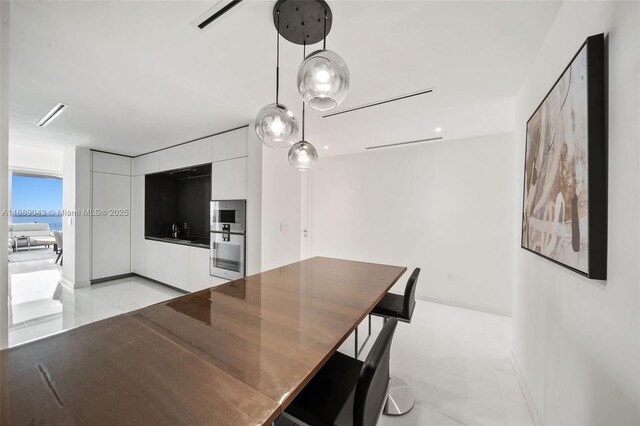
(564, 213)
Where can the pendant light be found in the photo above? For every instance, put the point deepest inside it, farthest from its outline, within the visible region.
(275, 124)
(303, 155)
(323, 77)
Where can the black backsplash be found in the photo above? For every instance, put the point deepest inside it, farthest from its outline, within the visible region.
(194, 196)
(178, 197)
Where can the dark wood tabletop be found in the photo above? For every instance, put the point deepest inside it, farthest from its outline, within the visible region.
(234, 354)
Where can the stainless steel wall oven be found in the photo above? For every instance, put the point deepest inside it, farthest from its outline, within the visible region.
(228, 239)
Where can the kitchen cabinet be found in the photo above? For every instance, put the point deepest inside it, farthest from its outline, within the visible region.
(199, 277)
(111, 225)
(230, 145)
(222, 147)
(172, 158)
(182, 266)
(199, 152)
(167, 263)
(216, 281)
(229, 179)
(137, 225)
(110, 163)
(167, 159)
(141, 165)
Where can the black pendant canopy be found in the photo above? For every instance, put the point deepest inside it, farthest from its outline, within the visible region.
(303, 21)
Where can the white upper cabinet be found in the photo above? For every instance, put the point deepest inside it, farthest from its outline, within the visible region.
(199, 152)
(141, 165)
(173, 158)
(229, 179)
(230, 145)
(221, 147)
(110, 163)
(160, 161)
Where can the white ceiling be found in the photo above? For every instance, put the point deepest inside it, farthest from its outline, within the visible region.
(139, 76)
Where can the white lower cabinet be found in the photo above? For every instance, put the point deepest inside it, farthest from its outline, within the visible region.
(184, 267)
(199, 277)
(216, 281)
(167, 263)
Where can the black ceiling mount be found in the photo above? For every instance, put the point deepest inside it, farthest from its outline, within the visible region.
(303, 21)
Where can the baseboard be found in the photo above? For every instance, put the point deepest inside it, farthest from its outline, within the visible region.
(466, 306)
(127, 275)
(111, 278)
(528, 397)
(161, 283)
(73, 285)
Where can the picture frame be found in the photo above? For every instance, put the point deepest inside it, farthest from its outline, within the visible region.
(564, 206)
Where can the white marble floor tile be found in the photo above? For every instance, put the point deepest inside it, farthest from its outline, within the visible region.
(40, 305)
(457, 362)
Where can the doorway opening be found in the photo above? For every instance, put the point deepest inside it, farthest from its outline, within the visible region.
(35, 256)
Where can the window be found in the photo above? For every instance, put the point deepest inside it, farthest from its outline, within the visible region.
(37, 199)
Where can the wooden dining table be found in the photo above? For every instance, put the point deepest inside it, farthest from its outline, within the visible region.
(234, 354)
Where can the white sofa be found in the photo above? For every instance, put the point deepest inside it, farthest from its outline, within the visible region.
(39, 232)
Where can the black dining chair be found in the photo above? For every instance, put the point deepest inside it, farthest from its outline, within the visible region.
(347, 391)
(400, 307)
(58, 237)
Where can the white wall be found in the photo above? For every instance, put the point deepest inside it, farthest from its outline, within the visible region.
(35, 159)
(254, 202)
(576, 341)
(76, 196)
(444, 207)
(280, 209)
(4, 170)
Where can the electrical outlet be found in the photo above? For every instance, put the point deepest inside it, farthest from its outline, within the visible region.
(450, 277)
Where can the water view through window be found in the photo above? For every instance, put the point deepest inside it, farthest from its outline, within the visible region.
(36, 199)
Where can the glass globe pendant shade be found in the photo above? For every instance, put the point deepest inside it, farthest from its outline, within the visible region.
(276, 126)
(323, 80)
(303, 156)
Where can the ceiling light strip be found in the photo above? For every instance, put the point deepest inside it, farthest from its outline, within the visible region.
(219, 13)
(404, 143)
(52, 115)
(386, 101)
(192, 140)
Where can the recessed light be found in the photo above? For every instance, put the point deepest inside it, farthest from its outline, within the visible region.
(52, 115)
(438, 129)
(326, 147)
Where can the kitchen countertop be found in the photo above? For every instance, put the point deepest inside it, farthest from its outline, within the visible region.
(236, 354)
(201, 242)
